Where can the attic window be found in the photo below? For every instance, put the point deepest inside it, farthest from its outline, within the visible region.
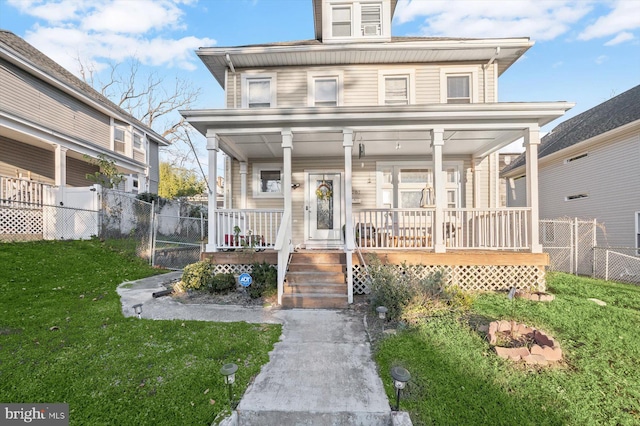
(371, 20)
(576, 197)
(577, 157)
(341, 21)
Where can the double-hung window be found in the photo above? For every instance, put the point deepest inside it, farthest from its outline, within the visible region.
(371, 19)
(258, 90)
(324, 89)
(395, 88)
(458, 85)
(341, 21)
(119, 140)
(137, 141)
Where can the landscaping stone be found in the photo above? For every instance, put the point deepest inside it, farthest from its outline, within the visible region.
(535, 297)
(598, 302)
(542, 339)
(544, 351)
(536, 360)
(549, 353)
(504, 325)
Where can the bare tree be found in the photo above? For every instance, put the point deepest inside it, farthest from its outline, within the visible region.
(152, 100)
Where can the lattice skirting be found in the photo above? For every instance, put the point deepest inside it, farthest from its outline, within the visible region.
(20, 221)
(474, 278)
(233, 269)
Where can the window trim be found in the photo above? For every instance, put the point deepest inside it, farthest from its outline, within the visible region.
(142, 141)
(249, 76)
(351, 20)
(257, 169)
(361, 31)
(312, 76)
(472, 72)
(125, 140)
(410, 74)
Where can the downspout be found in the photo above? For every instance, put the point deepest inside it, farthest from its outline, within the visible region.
(484, 72)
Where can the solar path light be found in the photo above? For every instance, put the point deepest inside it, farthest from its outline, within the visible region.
(228, 371)
(400, 377)
(138, 310)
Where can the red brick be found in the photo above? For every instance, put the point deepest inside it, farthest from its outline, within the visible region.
(550, 354)
(514, 354)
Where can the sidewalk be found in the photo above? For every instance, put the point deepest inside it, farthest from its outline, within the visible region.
(319, 373)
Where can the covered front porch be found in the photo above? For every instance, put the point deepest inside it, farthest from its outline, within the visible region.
(394, 179)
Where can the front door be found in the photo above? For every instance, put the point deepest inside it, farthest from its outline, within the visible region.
(323, 210)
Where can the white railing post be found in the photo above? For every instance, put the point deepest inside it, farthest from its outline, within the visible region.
(437, 142)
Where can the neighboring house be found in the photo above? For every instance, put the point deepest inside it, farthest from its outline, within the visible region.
(361, 141)
(589, 167)
(49, 121)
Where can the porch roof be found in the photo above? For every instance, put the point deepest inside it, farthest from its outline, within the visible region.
(472, 129)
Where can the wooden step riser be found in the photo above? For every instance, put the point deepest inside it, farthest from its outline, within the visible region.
(330, 258)
(316, 267)
(339, 290)
(315, 277)
(314, 302)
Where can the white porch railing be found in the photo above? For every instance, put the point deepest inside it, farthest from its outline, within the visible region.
(21, 190)
(500, 228)
(247, 228)
(394, 228)
(284, 248)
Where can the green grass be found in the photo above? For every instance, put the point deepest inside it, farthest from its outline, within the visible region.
(457, 379)
(63, 339)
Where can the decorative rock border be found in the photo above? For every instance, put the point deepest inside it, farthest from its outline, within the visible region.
(536, 297)
(544, 352)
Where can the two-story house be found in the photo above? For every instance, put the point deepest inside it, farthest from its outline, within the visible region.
(359, 141)
(50, 120)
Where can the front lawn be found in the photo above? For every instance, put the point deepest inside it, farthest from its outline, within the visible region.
(63, 339)
(457, 378)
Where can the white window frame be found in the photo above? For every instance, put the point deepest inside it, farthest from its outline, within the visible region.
(312, 76)
(141, 148)
(472, 72)
(248, 77)
(378, 26)
(409, 74)
(396, 186)
(125, 139)
(351, 21)
(256, 184)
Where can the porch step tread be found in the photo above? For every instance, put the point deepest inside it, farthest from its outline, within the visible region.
(317, 267)
(301, 277)
(319, 257)
(316, 288)
(314, 301)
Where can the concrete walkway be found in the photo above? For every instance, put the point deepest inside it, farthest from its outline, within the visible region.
(319, 373)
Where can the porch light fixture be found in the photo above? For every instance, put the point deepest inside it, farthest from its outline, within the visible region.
(228, 371)
(138, 310)
(295, 185)
(400, 377)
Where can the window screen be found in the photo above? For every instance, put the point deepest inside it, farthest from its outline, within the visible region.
(396, 91)
(259, 95)
(458, 90)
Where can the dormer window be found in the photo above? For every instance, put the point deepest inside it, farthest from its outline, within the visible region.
(341, 21)
(371, 20)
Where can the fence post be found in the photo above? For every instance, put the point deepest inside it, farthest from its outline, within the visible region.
(152, 234)
(576, 251)
(606, 265)
(201, 232)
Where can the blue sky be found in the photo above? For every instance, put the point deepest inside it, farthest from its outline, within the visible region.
(585, 52)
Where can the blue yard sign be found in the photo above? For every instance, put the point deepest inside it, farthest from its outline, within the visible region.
(245, 280)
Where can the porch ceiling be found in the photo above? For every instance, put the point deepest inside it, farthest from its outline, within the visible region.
(476, 129)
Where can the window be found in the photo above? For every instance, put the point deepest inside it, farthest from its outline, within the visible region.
(458, 89)
(577, 157)
(267, 180)
(324, 89)
(459, 85)
(258, 90)
(396, 88)
(576, 197)
(119, 144)
(371, 20)
(137, 141)
(341, 21)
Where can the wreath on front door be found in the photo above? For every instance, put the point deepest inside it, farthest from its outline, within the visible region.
(323, 191)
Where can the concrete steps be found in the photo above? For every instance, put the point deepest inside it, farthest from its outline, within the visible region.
(296, 418)
(316, 280)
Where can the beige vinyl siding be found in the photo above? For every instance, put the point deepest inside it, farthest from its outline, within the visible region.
(18, 158)
(36, 101)
(360, 83)
(517, 192)
(609, 175)
(77, 171)
(139, 156)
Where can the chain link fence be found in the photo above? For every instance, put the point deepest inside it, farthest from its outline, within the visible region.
(572, 245)
(177, 240)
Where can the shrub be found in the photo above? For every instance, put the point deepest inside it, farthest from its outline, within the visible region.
(198, 275)
(265, 278)
(222, 283)
(389, 288)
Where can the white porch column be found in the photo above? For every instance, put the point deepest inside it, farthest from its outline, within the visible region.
(347, 143)
(60, 162)
(531, 142)
(477, 187)
(437, 142)
(213, 145)
(287, 147)
(243, 184)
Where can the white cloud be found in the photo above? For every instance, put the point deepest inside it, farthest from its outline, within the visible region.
(541, 20)
(623, 17)
(557, 64)
(601, 59)
(620, 38)
(101, 31)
